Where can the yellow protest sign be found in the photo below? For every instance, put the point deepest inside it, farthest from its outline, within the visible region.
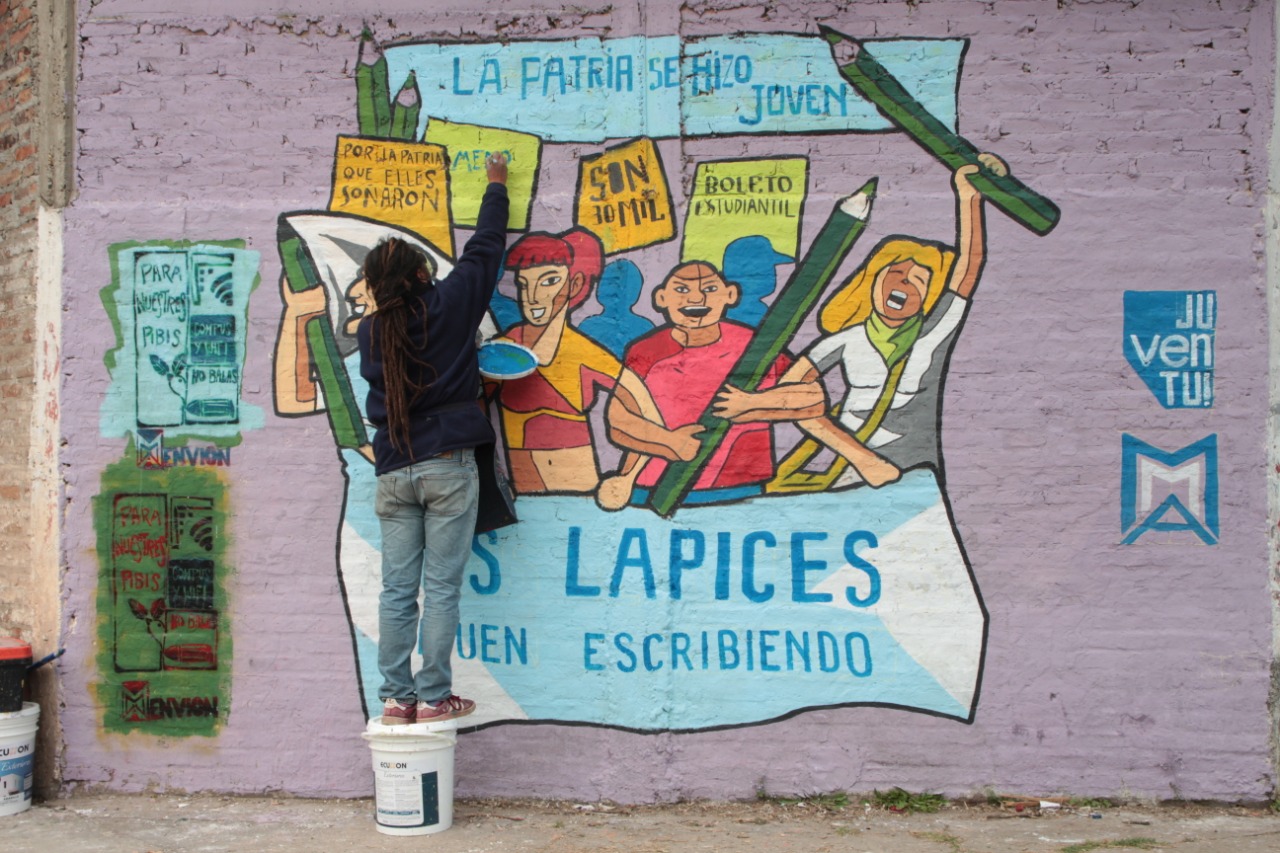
(400, 183)
(468, 146)
(623, 197)
(743, 198)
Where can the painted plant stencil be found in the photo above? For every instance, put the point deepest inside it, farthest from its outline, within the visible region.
(180, 312)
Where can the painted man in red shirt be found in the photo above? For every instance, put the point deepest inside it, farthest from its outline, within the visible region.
(681, 367)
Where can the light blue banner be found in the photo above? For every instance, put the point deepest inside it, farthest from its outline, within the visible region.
(590, 89)
(790, 84)
(718, 616)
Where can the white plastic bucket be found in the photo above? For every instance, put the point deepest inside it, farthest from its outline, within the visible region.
(413, 776)
(17, 757)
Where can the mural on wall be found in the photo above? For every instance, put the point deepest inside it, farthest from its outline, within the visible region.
(733, 504)
(164, 647)
(179, 310)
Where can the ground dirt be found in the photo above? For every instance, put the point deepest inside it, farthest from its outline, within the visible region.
(146, 823)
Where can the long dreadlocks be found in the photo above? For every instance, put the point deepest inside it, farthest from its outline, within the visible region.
(395, 274)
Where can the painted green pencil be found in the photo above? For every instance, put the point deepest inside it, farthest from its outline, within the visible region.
(874, 82)
(815, 271)
(373, 95)
(340, 401)
(405, 110)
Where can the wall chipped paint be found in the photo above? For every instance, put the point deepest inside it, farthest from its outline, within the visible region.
(941, 602)
(34, 166)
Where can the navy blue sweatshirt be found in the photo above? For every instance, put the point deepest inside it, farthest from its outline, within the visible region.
(453, 308)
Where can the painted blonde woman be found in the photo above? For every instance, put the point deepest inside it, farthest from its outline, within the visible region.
(890, 329)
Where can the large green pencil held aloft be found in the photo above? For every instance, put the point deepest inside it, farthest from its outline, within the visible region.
(875, 83)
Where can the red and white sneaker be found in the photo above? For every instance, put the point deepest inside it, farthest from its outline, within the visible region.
(398, 712)
(449, 708)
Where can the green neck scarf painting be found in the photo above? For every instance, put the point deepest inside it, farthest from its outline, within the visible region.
(893, 342)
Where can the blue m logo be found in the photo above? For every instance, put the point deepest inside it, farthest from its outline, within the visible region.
(1169, 490)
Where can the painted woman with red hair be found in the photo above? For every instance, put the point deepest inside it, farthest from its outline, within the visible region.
(544, 415)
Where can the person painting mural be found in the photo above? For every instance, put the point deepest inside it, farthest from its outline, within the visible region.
(417, 352)
(889, 328)
(544, 420)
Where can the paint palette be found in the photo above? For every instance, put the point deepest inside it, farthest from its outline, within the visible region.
(506, 360)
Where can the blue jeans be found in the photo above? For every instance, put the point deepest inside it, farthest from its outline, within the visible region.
(427, 513)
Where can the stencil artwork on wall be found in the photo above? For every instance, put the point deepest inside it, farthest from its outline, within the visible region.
(1170, 491)
(179, 311)
(163, 637)
(732, 493)
(1168, 341)
(152, 452)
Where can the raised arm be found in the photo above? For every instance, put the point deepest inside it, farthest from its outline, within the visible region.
(971, 243)
(481, 257)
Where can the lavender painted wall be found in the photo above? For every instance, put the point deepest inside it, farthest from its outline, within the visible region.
(1106, 668)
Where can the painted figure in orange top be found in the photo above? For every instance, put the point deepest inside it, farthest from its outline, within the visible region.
(544, 415)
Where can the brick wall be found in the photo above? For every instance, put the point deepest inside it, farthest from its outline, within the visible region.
(19, 211)
(35, 103)
(1110, 651)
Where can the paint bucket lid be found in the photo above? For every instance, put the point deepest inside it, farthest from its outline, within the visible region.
(506, 360)
(376, 727)
(11, 648)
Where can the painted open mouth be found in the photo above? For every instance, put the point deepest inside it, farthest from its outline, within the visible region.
(897, 300)
(696, 311)
(536, 313)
